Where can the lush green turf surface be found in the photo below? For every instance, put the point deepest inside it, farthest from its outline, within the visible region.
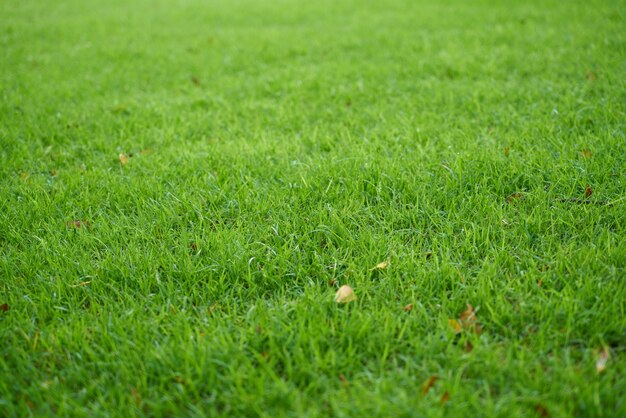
(280, 149)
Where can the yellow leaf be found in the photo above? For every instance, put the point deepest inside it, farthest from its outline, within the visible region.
(345, 294)
(381, 266)
(455, 325)
(603, 357)
(123, 158)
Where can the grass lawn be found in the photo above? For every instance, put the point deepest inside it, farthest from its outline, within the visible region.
(185, 184)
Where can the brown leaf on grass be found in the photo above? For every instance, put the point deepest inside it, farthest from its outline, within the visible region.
(408, 307)
(4, 307)
(468, 315)
(195, 80)
(343, 380)
(429, 383)
(381, 266)
(515, 197)
(53, 173)
(134, 393)
(332, 282)
(601, 360)
(586, 153)
(123, 158)
(588, 191)
(444, 398)
(468, 347)
(467, 321)
(345, 294)
(542, 411)
(78, 224)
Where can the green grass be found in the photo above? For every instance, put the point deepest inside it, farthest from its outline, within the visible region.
(281, 149)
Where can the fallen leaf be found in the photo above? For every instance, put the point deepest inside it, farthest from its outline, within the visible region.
(468, 347)
(455, 325)
(345, 294)
(53, 173)
(514, 197)
(332, 282)
(444, 398)
(601, 360)
(343, 379)
(588, 191)
(542, 411)
(585, 153)
(408, 307)
(468, 315)
(195, 80)
(429, 384)
(123, 158)
(135, 395)
(78, 224)
(381, 266)
(4, 307)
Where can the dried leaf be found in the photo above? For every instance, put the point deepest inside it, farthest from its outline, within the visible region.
(588, 191)
(586, 153)
(381, 266)
(332, 282)
(455, 325)
(429, 384)
(123, 158)
(515, 197)
(195, 80)
(601, 360)
(4, 307)
(408, 307)
(542, 411)
(78, 224)
(444, 398)
(468, 315)
(345, 294)
(468, 347)
(466, 321)
(134, 393)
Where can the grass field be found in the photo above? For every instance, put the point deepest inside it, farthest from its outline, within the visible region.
(184, 185)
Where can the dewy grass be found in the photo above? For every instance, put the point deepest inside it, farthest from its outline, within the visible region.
(186, 184)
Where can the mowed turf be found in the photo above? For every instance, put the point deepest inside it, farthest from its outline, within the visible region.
(184, 185)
